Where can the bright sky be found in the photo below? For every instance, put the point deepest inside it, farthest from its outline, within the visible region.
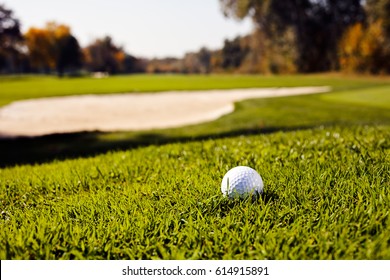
(146, 28)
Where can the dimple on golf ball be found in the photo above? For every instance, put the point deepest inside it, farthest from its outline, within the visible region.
(241, 181)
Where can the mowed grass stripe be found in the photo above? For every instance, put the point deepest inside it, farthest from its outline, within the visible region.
(326, 197)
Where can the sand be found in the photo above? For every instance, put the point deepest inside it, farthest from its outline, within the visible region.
(128, 111)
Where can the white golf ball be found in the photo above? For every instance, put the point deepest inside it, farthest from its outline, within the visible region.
(241, 181)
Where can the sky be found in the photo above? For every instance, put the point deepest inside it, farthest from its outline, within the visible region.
(144, 28)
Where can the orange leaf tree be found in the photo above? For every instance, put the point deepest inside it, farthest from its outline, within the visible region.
(53, 48)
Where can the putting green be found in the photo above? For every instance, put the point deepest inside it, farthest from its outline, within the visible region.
(380, 97)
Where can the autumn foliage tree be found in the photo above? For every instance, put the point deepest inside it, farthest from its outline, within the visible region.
(53, 48)
(379, 10)
(363, 50)
(365, 47)
(313, 28)
(10, 40)
(41, 49)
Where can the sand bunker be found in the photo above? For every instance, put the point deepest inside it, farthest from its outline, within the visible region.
(116, 112)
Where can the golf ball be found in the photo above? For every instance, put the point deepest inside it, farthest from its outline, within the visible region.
(241, 181)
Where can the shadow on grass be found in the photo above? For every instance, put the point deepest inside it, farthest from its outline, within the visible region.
(222, 206)
(269, 196)
(31, 150)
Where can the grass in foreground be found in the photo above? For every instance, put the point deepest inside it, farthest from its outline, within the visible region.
(326, 197)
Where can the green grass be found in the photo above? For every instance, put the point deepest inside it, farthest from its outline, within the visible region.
(324, 160)
(326, 197)
(377, 97)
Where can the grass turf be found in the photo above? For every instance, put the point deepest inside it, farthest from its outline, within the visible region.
(326, 197)
(324, 161)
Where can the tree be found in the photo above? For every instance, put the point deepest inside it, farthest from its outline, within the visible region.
(363, 49)
(191, 63)
(366, 47)
(204, 56)
(41, 49)
(69, 54)
(379, 10)
(10, 40)
(317, 25)
(104, 56)
(53, 48)
(233, 54)
(133, 64)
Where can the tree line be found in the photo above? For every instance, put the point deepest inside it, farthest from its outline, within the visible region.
(54, 49)
(317, 35)
(298, 36)
(290, 36)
